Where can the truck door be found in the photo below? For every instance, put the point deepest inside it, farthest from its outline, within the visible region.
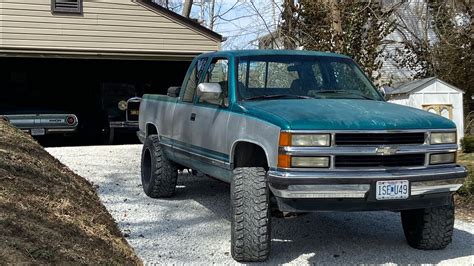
(182, 120)
(210, 117)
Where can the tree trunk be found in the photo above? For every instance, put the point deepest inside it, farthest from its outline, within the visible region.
(336, 24)
(187, 8)
(212, 16)
(288, 30)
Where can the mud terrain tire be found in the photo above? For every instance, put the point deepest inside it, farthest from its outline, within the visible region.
(251, 220)
(159, 175)
(430, 228)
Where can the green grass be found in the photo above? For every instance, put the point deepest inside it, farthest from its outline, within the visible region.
(467, 190)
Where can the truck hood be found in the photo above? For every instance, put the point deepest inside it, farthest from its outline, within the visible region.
(342, 114)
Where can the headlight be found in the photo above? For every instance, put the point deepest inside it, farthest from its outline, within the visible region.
(314, 140)
(122, 105)
(443, 138)
(310, 162)
(443, 158)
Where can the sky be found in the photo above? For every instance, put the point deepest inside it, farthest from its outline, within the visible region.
(246, 22)
(241, 22)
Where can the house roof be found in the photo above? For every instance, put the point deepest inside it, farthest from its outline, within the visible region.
(186, 21)
(265, 52)
(409, 87)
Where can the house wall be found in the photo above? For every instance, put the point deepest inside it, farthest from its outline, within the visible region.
(105, 25)
(412, 14)
(437, 93)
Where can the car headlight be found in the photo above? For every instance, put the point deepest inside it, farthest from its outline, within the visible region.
(122, 105)
(443, 158)
(314, 140)
(310, 162)
(443, 138)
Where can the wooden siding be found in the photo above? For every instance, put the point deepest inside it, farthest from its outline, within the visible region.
(106, 26)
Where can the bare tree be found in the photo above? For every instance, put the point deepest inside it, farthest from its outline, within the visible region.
(188, 4)
(240, 21)
(355, 28)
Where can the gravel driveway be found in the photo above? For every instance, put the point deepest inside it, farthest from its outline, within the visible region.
(194, 226)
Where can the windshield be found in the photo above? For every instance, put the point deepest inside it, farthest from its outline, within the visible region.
(298, 77)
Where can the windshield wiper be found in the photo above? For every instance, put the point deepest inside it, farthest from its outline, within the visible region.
(277, 96)
(344, 92)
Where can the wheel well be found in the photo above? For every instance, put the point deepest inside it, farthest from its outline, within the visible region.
(248, 154)
(151, 130)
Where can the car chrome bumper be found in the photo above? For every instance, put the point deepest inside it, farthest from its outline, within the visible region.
(358, 184)
(123, 124)
(52, 130)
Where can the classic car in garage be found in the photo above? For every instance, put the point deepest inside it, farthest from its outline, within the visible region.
(39, 122)
(121, 106)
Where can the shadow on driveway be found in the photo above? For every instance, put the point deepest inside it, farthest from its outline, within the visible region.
(355, 238)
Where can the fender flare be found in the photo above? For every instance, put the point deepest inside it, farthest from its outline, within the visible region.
(236, 142)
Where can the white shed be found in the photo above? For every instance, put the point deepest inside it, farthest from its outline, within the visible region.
(432, 95)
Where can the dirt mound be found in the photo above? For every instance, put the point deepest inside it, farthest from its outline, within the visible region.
(48, 214)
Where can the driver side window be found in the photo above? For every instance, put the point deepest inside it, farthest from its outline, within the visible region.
(218, 72)
(190, 89)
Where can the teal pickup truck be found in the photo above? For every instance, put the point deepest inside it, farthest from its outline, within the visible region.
(300, 132)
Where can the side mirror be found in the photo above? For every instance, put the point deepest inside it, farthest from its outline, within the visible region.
(173, 91)
(210, 93)
(386, 92)
(384, 95)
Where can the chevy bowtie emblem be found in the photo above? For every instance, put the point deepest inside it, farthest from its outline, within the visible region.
(386, 150)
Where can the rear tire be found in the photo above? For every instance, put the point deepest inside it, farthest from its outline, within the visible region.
(159, 175)
(250, 210)
(430, 228)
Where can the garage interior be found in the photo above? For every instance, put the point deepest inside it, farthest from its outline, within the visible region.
(87, 56)
(77, 86)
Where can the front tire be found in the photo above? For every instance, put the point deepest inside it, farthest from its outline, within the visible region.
(250, 210)
(430, 228)
(159, 175)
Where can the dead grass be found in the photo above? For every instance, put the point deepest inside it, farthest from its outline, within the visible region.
(467, 159)
(465, 197)
(49, 214)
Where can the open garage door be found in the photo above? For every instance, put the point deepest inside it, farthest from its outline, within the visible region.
(91, 89)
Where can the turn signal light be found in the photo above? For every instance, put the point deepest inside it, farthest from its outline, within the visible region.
(285, 139)
(284, 161)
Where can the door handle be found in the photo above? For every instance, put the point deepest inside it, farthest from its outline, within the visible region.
(193, 117)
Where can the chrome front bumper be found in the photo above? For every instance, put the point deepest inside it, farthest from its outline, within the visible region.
(359, 184)
(52, 130)
(123, 124)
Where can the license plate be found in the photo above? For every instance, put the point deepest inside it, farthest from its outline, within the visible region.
(37, 131)
(393, 189)
(134, 112)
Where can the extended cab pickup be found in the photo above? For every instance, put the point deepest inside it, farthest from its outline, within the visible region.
(302, 132)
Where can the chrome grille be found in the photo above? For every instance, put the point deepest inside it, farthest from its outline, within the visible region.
(342, 139)
(399, 160)
(132, 111)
